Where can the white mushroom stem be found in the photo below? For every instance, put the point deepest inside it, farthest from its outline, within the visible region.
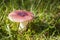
(23, 25)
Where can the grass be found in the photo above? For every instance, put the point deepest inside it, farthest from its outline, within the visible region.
(45, 26)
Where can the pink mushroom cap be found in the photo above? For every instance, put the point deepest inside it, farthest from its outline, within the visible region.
(20, 16)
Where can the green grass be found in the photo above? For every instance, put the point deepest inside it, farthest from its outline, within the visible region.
(46, 23)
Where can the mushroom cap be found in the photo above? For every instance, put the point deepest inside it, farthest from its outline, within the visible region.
(20, 16)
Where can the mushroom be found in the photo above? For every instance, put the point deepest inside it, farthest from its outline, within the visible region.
(21, 16)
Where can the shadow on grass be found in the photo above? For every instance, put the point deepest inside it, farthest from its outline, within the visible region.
(38, 26)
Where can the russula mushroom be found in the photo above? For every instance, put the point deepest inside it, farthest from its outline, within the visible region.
(21, 16)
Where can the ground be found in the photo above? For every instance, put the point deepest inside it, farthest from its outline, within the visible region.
(44, 26)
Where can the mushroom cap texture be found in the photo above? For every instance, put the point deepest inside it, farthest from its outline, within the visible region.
(20, 16)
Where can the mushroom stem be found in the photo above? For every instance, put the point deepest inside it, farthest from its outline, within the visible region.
(23, 26)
